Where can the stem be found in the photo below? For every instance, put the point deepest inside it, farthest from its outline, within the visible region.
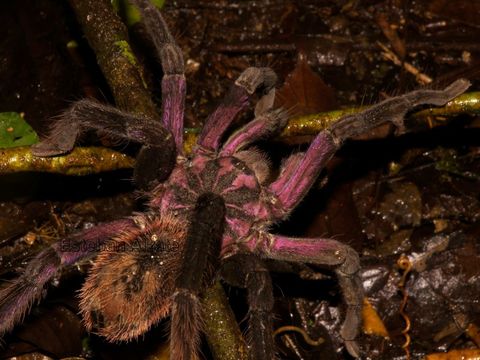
(108, 37)
(221, 328)
(81, 161)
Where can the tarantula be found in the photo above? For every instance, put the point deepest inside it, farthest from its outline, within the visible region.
(207, 211)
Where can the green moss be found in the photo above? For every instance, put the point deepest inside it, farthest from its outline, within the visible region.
(126, 51)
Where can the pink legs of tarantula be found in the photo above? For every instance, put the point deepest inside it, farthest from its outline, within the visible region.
(154, 164)
(297, 176)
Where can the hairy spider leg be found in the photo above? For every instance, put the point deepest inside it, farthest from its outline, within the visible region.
(236, 100)
(298, 176)
(200, 258)
(173, 82)
(325, 252)
(287, 169)
(393, 110)
(87, 114)
(248, 271)
(263, 126)
(19, 295)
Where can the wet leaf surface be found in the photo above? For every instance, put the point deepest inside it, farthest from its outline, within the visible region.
(416, 195)
(15, 131)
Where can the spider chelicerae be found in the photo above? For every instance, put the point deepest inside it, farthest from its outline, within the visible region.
(208, 213)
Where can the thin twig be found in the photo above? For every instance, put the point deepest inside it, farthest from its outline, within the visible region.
(390, 55)
(302, 332)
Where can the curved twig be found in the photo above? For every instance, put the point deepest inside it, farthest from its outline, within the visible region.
(302, 332)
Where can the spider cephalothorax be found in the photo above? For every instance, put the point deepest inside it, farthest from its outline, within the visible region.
(212, 207)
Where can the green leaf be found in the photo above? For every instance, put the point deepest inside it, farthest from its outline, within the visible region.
(14, 131)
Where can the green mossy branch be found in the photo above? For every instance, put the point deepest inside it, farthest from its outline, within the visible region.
(223, 335)
(468, 103)
(108, 37)
(310, 125)
(81, 161)
(297, 128)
